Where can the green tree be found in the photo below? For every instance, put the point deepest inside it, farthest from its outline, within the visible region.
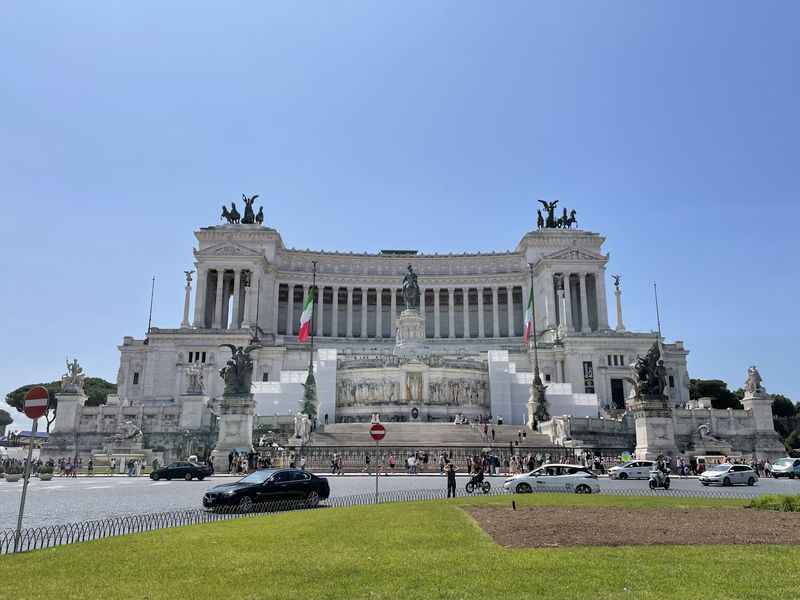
(782, 406)
(5, 420)
(309, 405)
(717, 390)
(96, 389)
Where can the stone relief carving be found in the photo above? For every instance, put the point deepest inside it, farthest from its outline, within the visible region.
(194, 379)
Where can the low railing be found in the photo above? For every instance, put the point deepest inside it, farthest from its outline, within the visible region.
(37, 538)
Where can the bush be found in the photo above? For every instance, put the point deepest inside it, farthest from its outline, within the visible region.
(14, 469)
(45, 469)
(776, 502)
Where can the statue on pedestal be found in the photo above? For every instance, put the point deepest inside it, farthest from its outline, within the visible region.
(232, 215)
(411, 289)
(752, 386)
(238, 371)
(194, 379)
(650, 375)
(72, 381)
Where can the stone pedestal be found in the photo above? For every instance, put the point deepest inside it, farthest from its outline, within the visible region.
(193, 407)
(69, 411)
(235, 428)
(655, 430)
(410, 334)
(766, 442)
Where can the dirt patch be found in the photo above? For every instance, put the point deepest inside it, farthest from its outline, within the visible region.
(553, 526)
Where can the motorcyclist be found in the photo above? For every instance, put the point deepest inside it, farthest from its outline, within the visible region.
(477, 479)
(661, 469)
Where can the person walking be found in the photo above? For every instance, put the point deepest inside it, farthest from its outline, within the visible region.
(392, 462)
(450, 470)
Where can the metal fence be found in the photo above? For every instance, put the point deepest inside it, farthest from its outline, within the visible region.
(36, 538)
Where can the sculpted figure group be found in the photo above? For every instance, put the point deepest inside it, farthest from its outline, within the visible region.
(565, 221)
(233, 217)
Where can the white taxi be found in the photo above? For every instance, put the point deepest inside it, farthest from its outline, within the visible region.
(554, 478)
(634, 469)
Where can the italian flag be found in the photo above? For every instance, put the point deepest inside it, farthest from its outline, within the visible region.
(305, 318)
(529, 318)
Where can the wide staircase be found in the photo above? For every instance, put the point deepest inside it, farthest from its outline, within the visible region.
(427, 434)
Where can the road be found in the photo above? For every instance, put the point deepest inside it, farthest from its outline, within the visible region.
(64, 500)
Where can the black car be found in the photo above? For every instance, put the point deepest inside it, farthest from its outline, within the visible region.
(182, 470)
(267, 486)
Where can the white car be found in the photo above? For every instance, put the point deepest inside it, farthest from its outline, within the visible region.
(727, 474)
(635, 469)
(554, 478)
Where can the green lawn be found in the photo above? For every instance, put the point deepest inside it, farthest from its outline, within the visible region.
(420, 550)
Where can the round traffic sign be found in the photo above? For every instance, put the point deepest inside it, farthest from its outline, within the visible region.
(377, 431)
(36, 401)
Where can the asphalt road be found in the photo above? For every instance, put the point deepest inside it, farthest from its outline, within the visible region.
(64, 500)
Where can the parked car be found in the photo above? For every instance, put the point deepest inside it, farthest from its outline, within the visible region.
(635, 469)
(786, 467)
(555, 477)
(727, 474)
(269, 485)
(182, 470)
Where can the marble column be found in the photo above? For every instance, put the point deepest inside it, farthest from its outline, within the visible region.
(584, 304)
(254, 299)
(335, 311)
(620, 323)
(451, 313)
(302, 305)
(568, 301)
(187, 298)
(602, 301)
(218, 306)
(378, 311)
(237, 286)
(200, 298)
(319, 309)
(550, 294)
(422, 308)
(495, 313)
(481, 328)
(247, 305)
(510, 303)
(364, 295)
(392, 311)
(465, 307)
(349, 312)
(290, 311)
(436, 314)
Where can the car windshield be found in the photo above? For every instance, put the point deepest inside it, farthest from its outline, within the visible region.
(257, 477)
(783, 462)
(722, 467)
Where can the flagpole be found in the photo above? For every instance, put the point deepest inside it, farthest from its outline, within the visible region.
(537, 378)
(658, 321)
(313, 305)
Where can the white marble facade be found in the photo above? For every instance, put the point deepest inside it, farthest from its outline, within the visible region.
(473, 308)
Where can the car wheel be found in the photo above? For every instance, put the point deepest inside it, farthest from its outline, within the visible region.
(524, 488)
(154, 476)
(751, 481)
(583, 489)
(188, 477)
(622, 476)
(705, 483)
(201, 477)
(312, 499)
(246, 503)
(726, 482)
(168, 478)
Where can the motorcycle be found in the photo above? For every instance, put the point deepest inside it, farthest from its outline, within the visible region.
(658, 479)
(473, 485)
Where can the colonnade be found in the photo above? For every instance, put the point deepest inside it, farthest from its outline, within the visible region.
(371, 312)
(224, 298)
(579, 301)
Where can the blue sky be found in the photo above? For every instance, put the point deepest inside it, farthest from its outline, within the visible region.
(670, 126)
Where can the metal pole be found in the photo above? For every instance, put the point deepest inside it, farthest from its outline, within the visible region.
(313, 305)
(26, 477)
(536, 376)
(152, 293)
(658, 321)
(376, 470)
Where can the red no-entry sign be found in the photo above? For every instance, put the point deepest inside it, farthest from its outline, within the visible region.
(36, 401)
(377, 431)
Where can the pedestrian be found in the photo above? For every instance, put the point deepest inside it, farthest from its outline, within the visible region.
(302, 463)
(366, 463)
(493, 435)
(767, 468)
(90, 466)
(392, 462)
(451, 480)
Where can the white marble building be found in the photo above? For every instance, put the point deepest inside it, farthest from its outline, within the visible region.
(473, 306)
